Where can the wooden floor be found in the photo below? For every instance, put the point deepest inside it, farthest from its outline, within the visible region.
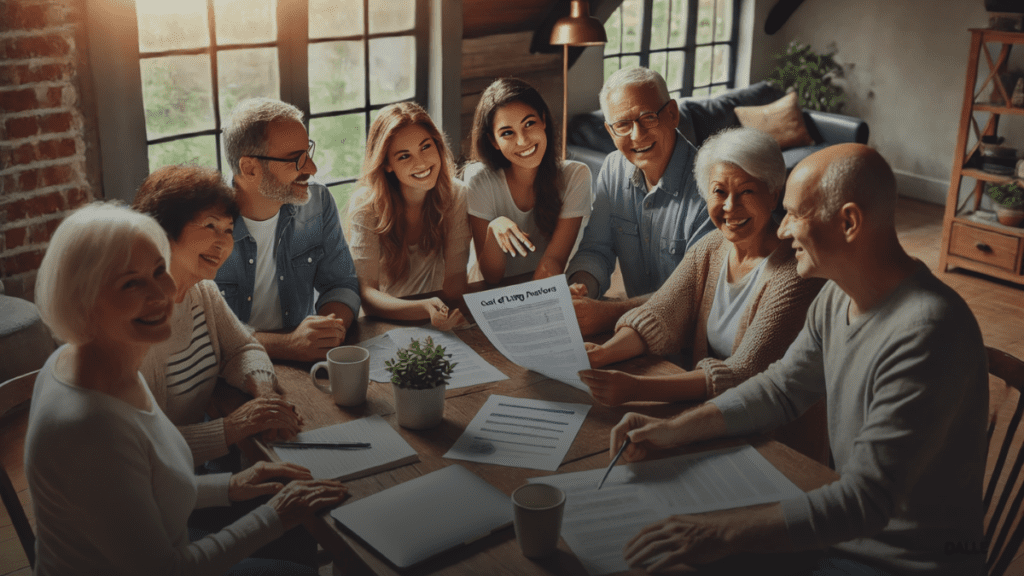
(999, 307)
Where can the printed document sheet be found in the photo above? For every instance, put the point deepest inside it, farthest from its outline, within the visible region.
(471, 369)
(598, 523)
(534, 325)
(520, 432)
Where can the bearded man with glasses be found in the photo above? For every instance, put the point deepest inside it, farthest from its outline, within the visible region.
(290, 275)
(647, 210)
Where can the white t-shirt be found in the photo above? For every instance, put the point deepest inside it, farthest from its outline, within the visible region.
(731, 299)
(490, 197)
(266, 302)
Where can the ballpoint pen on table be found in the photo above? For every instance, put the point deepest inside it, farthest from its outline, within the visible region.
(612, 465)
(340, 445)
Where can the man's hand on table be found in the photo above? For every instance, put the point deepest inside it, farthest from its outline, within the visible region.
(272, 416)
(315, 336)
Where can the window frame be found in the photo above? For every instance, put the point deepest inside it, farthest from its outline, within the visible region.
(689, 47)
(115, 59)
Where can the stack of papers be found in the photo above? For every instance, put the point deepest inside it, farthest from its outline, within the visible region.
(388, 450)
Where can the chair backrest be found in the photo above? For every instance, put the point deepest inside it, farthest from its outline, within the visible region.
(14, 394)
(1004, 492)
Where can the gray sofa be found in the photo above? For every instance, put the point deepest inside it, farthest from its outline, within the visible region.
(589, 142)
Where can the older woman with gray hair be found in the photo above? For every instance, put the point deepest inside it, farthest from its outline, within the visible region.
(735, 300)
(110, 476)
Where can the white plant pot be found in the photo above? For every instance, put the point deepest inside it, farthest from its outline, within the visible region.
(419, 409)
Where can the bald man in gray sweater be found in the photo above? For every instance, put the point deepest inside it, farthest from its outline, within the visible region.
(900, 360)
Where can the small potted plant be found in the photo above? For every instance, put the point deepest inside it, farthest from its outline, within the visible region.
(1009, 200)
(420, 374)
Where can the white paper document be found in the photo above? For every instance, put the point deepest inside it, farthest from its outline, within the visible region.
(598, 523)
(387, 450)
(520, 432)
(534, 325)
(470, 369)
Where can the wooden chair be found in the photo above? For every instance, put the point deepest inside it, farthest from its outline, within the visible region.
(14, 396)
(1004, 492)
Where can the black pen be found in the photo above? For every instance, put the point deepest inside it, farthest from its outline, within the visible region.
(612, 465)
(340, 445)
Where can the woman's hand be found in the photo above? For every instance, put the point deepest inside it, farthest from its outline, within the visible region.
(510, 238)
(256, 481)
(301, 498)
(597, 354)
(611, 387)
(441, 317)
(645, 432)
(262, 414)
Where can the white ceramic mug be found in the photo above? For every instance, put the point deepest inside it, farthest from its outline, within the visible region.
(537, 515)
(348, 368)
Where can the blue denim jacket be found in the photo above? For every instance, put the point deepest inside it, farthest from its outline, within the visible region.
(311, 253)
(648, 232)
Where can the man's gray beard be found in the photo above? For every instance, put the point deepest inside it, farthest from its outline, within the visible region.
(274, 190)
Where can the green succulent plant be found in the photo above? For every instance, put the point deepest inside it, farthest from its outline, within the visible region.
(810, 75)
(1007, 194)
(420, 366)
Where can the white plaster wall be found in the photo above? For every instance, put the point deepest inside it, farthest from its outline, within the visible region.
(906, 64)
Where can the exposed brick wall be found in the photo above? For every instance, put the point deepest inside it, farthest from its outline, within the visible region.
(48, 156)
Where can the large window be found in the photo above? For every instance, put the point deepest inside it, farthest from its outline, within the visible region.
(339, 61)
(691, 43)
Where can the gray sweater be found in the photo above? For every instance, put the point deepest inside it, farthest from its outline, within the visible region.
(907, 392)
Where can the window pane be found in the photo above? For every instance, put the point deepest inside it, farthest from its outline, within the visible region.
(200, 151)
(659, 24)
(701, 92)
(340, 141)
(631, 26)
(172, 25)
(329, 18)
(245, 21)
(674, 78)
(720, 68)
(717, 89)
(723, 21)
(392, 15)
(177, 94)
(611, 65)
(658, 63)
(705, 13)
(630, 61)
(613, 27)
(336, 76)
(341, 193)
(392, 69)
(677, 30)
(245, 74)
(702, 72)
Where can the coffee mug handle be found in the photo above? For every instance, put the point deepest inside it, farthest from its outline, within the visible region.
(312, 376)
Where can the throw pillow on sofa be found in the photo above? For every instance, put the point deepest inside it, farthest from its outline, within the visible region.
(782, 120)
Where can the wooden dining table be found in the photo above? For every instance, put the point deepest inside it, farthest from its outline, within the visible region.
(498, 553)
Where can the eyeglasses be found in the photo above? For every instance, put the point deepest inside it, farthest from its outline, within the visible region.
(646, 121)
(299, 162)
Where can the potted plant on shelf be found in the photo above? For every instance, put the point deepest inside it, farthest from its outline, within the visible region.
(811, 76)
(420, 374)
(1009, 200)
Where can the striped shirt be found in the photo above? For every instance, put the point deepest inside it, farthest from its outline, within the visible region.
(191, 372)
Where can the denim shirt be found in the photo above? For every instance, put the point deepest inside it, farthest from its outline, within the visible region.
(649, 232)
(311, 252)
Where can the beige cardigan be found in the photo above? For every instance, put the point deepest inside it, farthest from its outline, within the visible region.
(676, 316)
(238, 353)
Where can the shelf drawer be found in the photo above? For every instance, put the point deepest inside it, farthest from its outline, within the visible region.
(992, 248)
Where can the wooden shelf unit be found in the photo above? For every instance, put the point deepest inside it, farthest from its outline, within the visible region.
(970, 241)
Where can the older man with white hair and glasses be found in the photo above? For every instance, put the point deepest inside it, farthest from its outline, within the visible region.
(288, 238)
(647, 210)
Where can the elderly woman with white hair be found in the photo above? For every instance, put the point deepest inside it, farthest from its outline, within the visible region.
(735, 300)
(111, 477)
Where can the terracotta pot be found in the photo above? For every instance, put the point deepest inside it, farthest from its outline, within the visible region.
(1010, 216)
(419, 409)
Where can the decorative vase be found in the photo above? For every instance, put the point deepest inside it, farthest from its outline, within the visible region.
(419, 409)
(1010, 216)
